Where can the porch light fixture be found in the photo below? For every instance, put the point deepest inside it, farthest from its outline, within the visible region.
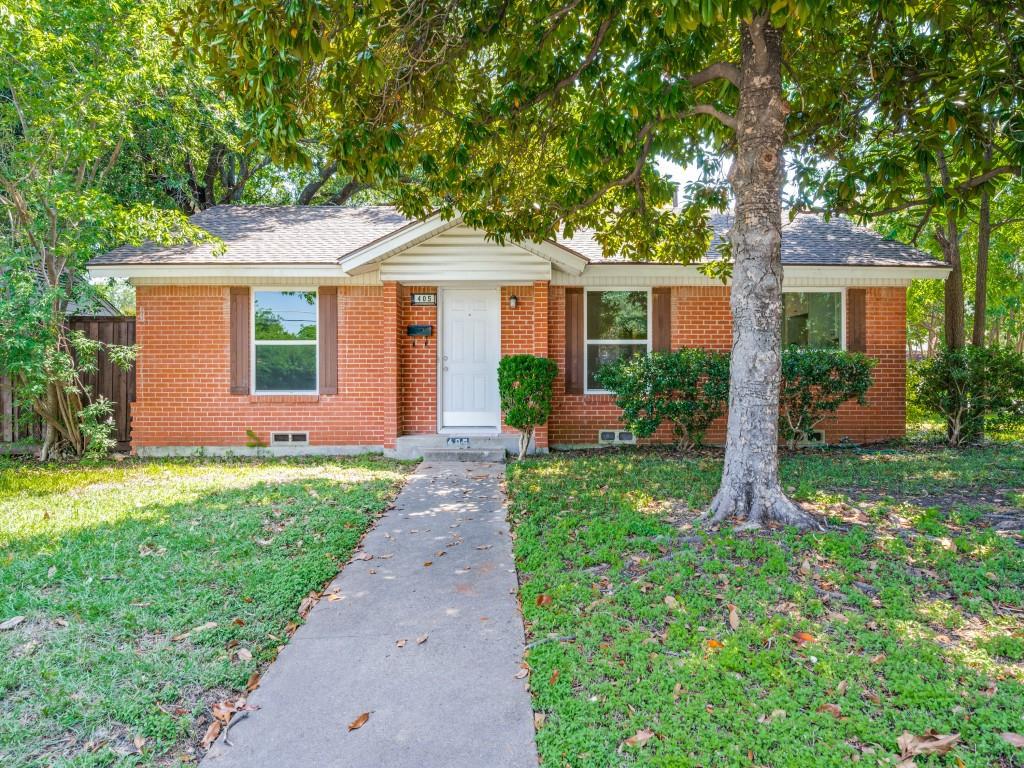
(513, 301)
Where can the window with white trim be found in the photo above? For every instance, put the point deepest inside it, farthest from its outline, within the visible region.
(285, 342)
(618, 326)
(812, 319)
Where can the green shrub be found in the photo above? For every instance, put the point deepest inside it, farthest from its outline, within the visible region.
(815, 382)
(688, 388)
(971, 389)
(524, 384)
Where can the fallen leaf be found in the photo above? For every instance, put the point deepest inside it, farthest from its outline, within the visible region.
(640, 738)
(11, 623)
(362, 556)
(878, 659)
(543, 600)
(1013, 739)
(777, 714)
(734, 617)
(428, 563)
(253, 682)
(200, 628)
(421, 639)
(60, 622)
(831, 709)
(842, 687)
(359, 722)
(538, 719)
(238, 622)
(802, 638)
(554, 677)
(244, 654)
(712, 643)
(400, 643)
(307, 604)
(930, 744)
(139, 743)
(805, 567)
(523, 672)
(484, 546)
(211, 734)
(671, 602)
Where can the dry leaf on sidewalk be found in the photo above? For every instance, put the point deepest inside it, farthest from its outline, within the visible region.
(359, 722)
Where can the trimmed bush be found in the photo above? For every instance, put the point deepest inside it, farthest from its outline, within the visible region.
(971, 389)
(525, 385)
(815, 382)
(688, 388)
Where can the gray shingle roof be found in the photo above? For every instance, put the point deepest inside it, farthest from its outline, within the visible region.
(324, 234)
(270, 235)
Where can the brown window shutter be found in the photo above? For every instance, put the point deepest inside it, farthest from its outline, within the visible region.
(856, 320)
(574, 341)
(240, 341)
(327, 333)
(661, 319)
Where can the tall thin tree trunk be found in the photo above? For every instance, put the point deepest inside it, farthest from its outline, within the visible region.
(750, 489)
(949, 238)
(981, 274)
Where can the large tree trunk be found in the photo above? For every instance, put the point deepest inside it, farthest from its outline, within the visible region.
(981, 274)
(750, 489)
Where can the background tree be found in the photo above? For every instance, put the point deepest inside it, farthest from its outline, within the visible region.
(931, 130)
(76, 85)
(533, 119)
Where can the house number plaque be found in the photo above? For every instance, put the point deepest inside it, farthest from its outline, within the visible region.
(424, 299)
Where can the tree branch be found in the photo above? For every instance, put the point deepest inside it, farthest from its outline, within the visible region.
(595, 48)
(346, 193)
(623, 181)
(718, 71)
(707, 109)
(312, 188)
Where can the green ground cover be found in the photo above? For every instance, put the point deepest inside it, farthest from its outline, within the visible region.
(660, 644)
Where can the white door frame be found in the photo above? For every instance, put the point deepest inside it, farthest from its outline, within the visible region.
(441, 428)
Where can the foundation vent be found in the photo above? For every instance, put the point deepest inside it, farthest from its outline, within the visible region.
(615, 437)
(280, 439)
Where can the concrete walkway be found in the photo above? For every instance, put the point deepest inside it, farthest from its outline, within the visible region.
(442, 569)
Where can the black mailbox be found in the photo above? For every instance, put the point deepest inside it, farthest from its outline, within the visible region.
(419, 330)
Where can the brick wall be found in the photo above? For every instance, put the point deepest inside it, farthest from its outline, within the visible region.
(701, 318)
(387, 381)
(183, 391)
(419, 366)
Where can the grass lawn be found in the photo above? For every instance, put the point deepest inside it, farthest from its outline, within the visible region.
(774, 648)
(111, 566)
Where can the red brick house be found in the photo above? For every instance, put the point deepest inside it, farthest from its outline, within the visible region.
(345, 329)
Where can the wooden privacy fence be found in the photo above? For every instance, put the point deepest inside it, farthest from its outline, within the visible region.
(108, 380)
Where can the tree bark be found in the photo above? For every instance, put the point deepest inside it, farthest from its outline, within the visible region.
(750, 490)
(981, 274)
(949, 238)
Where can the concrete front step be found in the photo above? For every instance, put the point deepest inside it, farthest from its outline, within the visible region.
(457, 447)
(494, 455)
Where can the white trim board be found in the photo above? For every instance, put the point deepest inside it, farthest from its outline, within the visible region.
(643, 275)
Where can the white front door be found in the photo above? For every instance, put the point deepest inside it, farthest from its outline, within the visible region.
(470, 350)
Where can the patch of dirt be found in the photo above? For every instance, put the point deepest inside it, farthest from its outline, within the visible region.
(1001, 511)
